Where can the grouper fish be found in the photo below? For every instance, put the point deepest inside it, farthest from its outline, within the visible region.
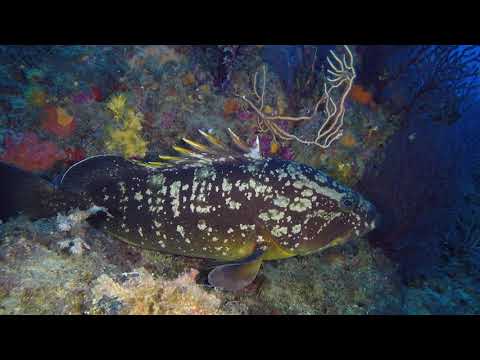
(218, 202)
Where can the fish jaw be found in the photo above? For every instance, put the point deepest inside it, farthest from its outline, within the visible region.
(345, 227)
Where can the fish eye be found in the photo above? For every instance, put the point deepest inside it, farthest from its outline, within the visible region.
(348, 202)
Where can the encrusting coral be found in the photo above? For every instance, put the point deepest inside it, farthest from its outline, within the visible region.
(42, 273)
(144, 294)
(30, 153)
(125, 136)
(57, 121)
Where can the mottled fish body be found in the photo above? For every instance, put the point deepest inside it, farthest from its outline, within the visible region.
(236, 208)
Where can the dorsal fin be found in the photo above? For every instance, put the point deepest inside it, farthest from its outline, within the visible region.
(96, 171)
(206, 154)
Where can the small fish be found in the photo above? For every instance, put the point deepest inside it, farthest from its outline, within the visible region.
(211, 202)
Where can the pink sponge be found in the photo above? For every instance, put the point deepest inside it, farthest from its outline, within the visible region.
(31, 154)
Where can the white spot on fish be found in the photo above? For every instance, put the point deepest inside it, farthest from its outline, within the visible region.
(138, 196)
(226, 186)
(300, 204)
(296, 228)
(278, 231)
(174, 193)
(272, 214)
(202, 224)
(307, 193)
(180, 230)
(281, 201)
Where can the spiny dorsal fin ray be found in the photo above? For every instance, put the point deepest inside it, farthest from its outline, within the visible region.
(207, 154)
(153, 164)
(191, 154)
(242, 145)
(216, 142)
(197, 146)
(170, 158)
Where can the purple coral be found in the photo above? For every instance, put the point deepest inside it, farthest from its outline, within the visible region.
(168, 119)
(83, 97)
(245, 115)
(286, 153)
(283, 124)
(265, 143)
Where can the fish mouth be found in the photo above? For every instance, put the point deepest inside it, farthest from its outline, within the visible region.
(373, 222)
(372, 217)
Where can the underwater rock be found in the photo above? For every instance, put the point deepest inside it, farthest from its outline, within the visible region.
(74, 155)
(75, 247)
(75, 218)
(312, 285)
(145, 294)
(188, 79)
(112, 278)
(35, 96)
(57, 121)
(30, 153)
(230, 107)
(362, 96)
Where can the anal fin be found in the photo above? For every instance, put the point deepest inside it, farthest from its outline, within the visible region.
(236, 276)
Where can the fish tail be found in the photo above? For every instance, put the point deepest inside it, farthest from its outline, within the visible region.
(24, 193)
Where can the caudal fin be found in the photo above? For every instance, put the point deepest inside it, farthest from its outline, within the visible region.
(25, 193)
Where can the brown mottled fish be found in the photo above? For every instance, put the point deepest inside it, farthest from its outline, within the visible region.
(211, 202)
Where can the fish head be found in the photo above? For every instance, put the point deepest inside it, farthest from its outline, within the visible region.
(337, 220)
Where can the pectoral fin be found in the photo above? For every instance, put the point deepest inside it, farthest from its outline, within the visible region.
(236, 276)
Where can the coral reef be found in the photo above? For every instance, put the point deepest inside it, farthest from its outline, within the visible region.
(57, 121)
(143, 294)
(230, 107)
(30, 153)
(73, 155)
(41, 273)
(367, 130)
(35, 96)
(362, 96)
(62, 266)
(126, 138)
(348, 280)
(61, 104)
(454, 290)
(329, 129)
